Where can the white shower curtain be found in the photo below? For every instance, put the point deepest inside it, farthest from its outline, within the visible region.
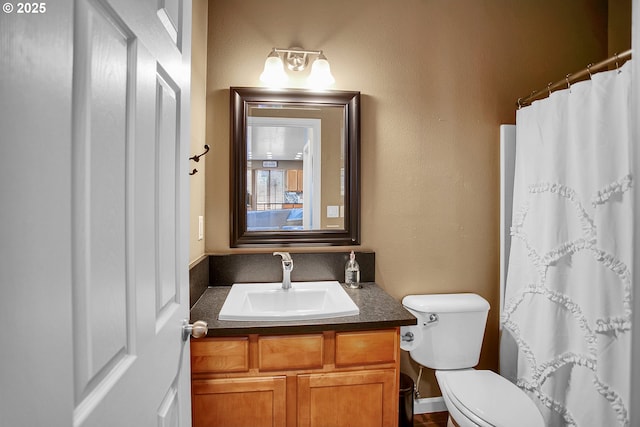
(567, 314)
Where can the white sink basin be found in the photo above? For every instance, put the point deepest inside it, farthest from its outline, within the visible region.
(305, 300)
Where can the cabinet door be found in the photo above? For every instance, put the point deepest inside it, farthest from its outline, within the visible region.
(348, 399)
(295, 178)
(239, 402)
(300, 180)
(292, 180)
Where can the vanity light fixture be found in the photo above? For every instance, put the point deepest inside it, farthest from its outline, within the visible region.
(274, 74)
(297, 59)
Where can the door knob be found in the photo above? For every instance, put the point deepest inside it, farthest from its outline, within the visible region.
(197, 330)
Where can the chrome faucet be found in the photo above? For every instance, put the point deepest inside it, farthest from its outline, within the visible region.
(287, 266)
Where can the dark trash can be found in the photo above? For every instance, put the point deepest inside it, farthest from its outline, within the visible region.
(405, 412)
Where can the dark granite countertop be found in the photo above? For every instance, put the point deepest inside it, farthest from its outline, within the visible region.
(378, 310)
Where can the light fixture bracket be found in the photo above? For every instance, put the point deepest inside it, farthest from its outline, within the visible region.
(296, 58)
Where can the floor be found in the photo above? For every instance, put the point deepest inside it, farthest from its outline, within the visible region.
(434, 419)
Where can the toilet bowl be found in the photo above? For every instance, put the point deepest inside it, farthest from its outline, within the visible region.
(449, 338)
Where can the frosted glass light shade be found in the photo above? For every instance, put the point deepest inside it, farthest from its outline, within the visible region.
(273, 73)
(320, 75)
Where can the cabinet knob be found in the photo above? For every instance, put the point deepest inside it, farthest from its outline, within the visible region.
(197, 330)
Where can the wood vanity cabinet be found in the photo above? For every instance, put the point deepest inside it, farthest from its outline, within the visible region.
(331, 379)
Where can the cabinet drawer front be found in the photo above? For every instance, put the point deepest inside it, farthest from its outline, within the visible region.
(290, 352)
(363, 348)
(220, 355)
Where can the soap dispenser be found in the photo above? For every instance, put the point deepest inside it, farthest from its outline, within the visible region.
(352, 272)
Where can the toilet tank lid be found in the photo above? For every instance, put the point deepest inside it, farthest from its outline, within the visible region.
(446, 303)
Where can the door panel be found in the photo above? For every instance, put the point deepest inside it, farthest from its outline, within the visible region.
(95, 120)
(101, 285)
(169, 412)
(167, 147)
(130, 199)
(35, 193)
(109, 182)
(170, 14)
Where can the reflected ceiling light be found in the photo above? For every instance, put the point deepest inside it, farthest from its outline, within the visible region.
(297, 59)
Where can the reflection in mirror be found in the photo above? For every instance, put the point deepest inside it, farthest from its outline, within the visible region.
(288, 178)
(295, 167)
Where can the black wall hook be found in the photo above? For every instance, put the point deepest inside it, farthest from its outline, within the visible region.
(197, 158)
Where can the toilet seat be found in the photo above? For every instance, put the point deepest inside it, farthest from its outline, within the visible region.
(489, 400)
(457, 411)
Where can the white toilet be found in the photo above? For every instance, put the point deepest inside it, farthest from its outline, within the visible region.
(448, 338)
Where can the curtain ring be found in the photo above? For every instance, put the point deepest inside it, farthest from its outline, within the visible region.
(519, 105)
(589, 69)
(567, 80)
(617, 66)
(549, 87)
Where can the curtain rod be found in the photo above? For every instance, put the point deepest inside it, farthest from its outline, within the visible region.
(571, 78)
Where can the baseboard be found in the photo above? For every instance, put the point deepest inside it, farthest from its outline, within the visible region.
(428, 405)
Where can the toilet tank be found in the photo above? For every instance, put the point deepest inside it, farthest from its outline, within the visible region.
(452, 327)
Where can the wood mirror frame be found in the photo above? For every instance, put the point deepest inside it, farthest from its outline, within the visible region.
(242, 98)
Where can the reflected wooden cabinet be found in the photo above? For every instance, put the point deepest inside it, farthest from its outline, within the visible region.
(330, 379)
(295, 180)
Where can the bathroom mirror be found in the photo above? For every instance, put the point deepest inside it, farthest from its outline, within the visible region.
(295, 167)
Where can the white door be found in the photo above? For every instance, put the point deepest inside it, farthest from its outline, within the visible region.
(94, 284)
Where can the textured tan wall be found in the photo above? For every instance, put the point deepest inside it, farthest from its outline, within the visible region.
(198, 123)
(437, 78)
(619, 25)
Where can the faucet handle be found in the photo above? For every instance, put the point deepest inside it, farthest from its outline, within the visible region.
(287, 266)
(286, 256)
(287, 262)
